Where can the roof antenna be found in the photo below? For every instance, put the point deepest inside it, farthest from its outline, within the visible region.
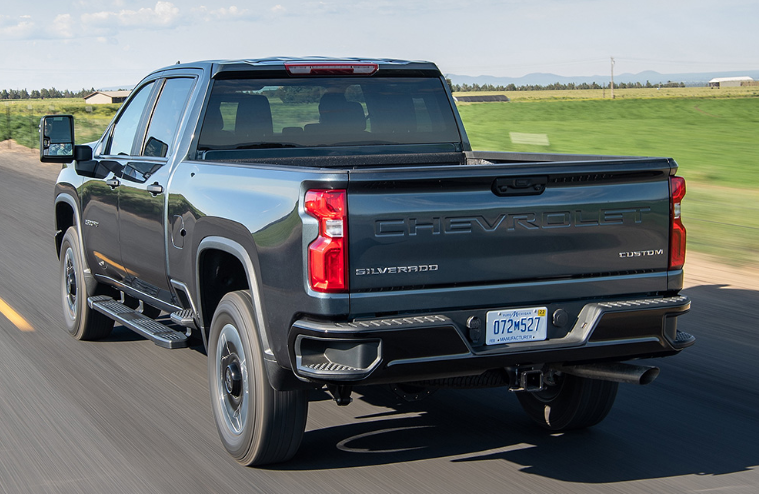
(178, 62)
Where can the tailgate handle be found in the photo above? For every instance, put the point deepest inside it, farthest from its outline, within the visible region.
(520, 186)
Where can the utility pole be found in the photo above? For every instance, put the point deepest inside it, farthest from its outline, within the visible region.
(612, 77)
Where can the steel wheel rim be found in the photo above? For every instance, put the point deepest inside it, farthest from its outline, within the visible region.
(229, 352)
(70, 285)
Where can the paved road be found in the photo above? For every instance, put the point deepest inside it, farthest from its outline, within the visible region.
(126, 416)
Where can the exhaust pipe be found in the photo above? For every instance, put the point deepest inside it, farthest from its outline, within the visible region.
(611, 371)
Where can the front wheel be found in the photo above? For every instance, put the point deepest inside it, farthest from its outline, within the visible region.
(82, 322)
(257, 424)
(571, 403)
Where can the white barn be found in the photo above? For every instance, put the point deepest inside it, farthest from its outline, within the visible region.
(106, 97)
(719, 82)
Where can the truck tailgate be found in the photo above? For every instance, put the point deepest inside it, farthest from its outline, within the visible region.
(461, 225)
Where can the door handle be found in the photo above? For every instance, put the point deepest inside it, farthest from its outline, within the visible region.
(113, 183)
(155, 189)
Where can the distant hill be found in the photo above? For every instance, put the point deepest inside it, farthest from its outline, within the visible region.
(543, 79)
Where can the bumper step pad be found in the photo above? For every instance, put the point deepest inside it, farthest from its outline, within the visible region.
(158, 333)
(683, 340)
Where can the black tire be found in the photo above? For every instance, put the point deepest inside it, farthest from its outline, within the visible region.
(82, 322)
(257, 424)
(572, 403)
(147, 309)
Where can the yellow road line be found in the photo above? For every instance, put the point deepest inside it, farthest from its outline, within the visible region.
(14, 317)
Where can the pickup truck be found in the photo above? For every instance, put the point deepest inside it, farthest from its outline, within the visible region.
(323, 223)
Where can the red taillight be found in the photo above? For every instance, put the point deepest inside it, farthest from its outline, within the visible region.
(328, 255)
(322, 68)
(677, 230)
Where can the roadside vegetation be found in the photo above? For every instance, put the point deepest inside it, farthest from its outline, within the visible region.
(626, 93)
(713, 134)
(20, 118)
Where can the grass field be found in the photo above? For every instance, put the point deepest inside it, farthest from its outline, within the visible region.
(22, 117)
(715, 141)
(635, 93)
(713, 134)
(723, 222)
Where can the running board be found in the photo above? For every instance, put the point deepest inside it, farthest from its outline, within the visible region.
(151, 329)
(184, 318)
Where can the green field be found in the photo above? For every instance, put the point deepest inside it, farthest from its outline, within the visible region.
(713, 134)
(632, 93)
(715, 141)
(19, 119)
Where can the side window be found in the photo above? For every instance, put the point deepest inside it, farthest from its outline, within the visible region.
(166, 116)
(123, 133)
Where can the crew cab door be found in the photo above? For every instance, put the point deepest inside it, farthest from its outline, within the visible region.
(99, 196)
(142, 194)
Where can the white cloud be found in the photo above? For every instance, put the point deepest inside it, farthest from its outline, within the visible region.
(19, 28)
(163, 15)
(278, 9)
(63, 26)
(223, 13)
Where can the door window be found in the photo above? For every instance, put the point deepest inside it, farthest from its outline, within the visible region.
(122, 137)
(166, 116)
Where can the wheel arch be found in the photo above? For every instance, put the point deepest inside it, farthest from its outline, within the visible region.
(66, 216)
(222, 255)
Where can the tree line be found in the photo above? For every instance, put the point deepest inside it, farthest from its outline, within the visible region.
(556, 86)
(7, 94)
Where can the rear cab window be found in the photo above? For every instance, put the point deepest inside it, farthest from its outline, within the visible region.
(291, 113)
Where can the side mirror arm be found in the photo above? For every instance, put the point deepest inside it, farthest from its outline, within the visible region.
(82, 153)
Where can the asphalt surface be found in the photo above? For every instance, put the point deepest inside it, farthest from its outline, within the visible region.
(125, 416)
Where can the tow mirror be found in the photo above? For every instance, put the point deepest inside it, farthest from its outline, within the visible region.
(57, 139)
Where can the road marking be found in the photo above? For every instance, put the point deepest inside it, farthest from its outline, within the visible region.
(14, 317)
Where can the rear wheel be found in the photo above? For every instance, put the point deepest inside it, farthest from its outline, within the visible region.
(82, 322)
(571, 403)
(257, 424)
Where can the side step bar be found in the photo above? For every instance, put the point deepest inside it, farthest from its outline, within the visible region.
(158, 333)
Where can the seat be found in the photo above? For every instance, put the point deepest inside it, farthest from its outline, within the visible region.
(253, 122)
(213, 134)
(338, 114)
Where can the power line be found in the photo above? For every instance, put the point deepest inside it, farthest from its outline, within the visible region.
(690, 62)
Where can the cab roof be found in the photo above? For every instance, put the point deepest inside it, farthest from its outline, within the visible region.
(276, 66)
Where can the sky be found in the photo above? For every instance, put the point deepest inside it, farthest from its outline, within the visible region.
(114, 43)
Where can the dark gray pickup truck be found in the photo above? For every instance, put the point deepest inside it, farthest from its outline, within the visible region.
(324, 223)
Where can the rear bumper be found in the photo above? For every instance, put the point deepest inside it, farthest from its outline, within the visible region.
(416, 348)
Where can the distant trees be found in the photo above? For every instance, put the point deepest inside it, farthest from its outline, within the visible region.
(43, 93)
(555, 87)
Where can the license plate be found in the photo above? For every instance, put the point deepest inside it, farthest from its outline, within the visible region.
(516, 325)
